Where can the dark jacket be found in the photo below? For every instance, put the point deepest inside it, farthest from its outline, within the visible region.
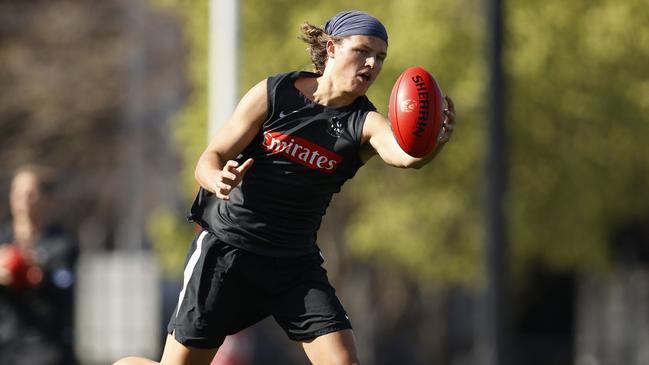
(36, 323)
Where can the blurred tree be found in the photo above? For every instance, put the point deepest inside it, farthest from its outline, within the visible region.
(579, 106)
(426, 222)
(444, 245)
(576, 115)
(448, 233)
(167, 227)
(89, 89)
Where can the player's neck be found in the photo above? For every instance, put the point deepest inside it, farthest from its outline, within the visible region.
(322, 90)
(25, 230)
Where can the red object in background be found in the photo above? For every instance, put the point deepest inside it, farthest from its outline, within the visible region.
(416, 111)
(23, 274)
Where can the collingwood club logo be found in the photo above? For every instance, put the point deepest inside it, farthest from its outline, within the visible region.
(335, 127)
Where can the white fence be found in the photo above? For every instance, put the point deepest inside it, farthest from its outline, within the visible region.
(118, 307)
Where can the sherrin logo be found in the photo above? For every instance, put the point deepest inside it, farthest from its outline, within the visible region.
(302, 151)
(422, 93)
(408, 105)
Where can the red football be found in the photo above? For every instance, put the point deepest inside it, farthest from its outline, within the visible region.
(416, 111)
(23, 275)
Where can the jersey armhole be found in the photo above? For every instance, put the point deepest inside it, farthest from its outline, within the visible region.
(359, 129)
(271, 85)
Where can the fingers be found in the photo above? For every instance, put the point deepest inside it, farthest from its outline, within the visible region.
(245, 166)
(449, 121)
(5, 275)
(449, 102)
(449, 112)
(443, 137)
(230, 171)
(445, 133)
(222, 190)
(229, 177)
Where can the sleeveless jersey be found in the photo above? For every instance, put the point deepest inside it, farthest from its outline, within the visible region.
(302, 155)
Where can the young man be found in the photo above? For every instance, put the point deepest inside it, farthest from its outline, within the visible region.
(266, 180)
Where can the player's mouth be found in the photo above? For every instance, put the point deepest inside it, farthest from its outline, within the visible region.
(365, 76)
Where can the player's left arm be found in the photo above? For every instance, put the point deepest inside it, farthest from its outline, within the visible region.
(378, 135)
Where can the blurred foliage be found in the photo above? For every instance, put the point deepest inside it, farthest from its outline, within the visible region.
(578, 120)
(577, 102)
(191, 125)
(171, 237)
(429, 222)
(167, 227)
(88, 89)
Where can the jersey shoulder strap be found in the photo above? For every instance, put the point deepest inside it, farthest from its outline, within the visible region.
(282, 94)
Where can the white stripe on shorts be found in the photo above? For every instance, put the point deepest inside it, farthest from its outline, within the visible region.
(189, 269)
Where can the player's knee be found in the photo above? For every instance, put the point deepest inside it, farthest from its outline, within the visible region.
(123, 361)
(349, 362)
(129, 361)
(343, 358)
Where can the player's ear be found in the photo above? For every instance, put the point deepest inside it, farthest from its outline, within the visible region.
(331, 48)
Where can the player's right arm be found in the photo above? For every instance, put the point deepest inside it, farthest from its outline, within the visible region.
(216, 170)
(378, 134)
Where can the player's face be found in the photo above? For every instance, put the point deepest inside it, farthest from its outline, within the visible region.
(358, 60)
(24, 196)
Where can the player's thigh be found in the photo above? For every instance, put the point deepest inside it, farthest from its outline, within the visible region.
(335, 348)
(175, 353)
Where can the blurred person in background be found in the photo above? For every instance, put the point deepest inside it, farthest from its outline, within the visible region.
(37, 260)
(297, 137)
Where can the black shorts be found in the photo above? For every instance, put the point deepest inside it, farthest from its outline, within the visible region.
(227, 289)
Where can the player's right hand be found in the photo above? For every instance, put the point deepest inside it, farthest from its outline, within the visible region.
(229, 177)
